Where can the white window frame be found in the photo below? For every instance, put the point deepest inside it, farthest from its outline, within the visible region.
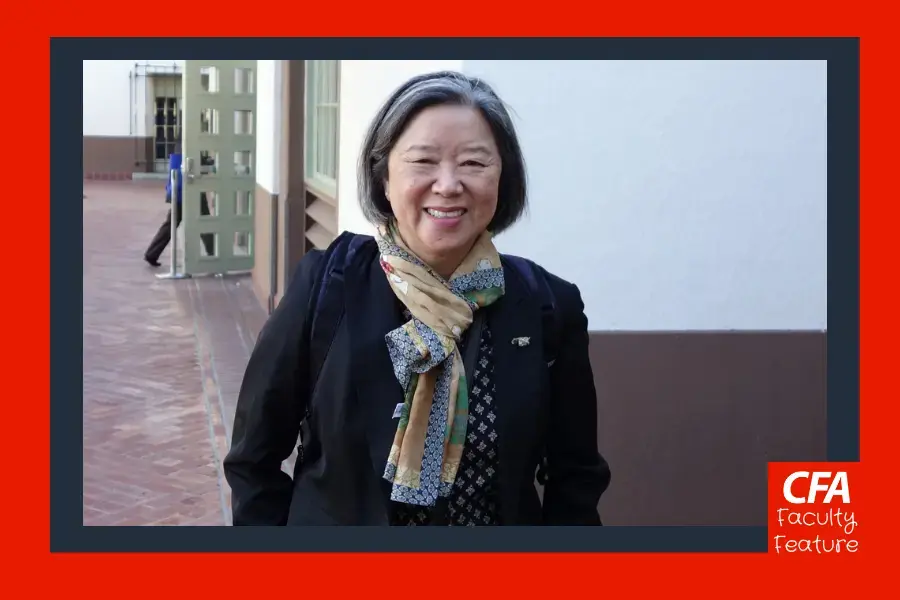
(322, 87)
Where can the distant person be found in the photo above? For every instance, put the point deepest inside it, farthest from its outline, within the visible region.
(451, 380)
(164, 234)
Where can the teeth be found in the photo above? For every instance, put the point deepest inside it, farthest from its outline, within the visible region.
(444, 215)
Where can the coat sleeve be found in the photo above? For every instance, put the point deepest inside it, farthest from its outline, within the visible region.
(577, 473)
(271, 405)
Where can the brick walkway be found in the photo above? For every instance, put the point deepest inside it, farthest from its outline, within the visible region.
(163, 362)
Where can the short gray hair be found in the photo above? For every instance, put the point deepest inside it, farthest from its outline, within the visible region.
(417, 94)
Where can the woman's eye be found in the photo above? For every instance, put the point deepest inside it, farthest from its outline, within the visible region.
(423, 161)
(473, 163)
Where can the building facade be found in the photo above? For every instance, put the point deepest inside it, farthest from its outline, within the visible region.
(686, 199)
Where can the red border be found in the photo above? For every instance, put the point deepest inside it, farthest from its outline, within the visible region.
(27, 507)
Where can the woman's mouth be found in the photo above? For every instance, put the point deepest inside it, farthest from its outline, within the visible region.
(446, 214)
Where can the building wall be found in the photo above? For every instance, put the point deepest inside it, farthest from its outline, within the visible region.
(116, 141)
(268, 123)
(687, 200)
(105, 94)
(268, 167)
(701, 185)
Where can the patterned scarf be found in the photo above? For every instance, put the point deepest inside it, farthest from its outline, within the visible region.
(431, 433)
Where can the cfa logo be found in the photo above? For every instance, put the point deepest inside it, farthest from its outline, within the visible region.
(837, 487)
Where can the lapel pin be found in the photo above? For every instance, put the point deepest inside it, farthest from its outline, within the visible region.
(521, 342)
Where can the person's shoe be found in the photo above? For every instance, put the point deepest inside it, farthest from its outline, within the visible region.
(152, 263)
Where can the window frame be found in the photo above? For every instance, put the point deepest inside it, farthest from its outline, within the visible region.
(319, 83)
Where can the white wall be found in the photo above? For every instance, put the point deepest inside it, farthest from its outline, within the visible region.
(365, 85)
(268, 123)
(105, 94)
(677, 195)
(106, 90)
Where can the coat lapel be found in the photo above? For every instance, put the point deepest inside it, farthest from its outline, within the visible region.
(372, 311)
(517, 377)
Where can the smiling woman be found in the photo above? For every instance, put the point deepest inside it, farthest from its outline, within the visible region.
(443, 181)
(427, 403)
(441, 139)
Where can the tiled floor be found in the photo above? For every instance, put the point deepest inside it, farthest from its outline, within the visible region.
(163, 362)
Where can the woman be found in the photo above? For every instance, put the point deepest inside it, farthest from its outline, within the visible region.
(432, 405)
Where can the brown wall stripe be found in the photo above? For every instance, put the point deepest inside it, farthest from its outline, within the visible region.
(689, 420)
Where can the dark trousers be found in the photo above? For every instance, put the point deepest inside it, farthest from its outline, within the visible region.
(164, 234)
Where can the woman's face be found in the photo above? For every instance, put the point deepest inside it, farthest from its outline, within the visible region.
(443, 179)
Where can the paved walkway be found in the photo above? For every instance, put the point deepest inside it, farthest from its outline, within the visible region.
(163, 362)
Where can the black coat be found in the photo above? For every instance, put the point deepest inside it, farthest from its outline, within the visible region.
(350, 428)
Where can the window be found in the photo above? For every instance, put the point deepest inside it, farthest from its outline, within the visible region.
(164, 95)
(322, 88)
(167, 118)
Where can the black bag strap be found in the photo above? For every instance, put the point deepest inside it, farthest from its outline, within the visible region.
(328, 307)
(329, 313)
(327, 310)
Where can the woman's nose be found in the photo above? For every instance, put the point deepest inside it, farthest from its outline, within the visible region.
(447, 183)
